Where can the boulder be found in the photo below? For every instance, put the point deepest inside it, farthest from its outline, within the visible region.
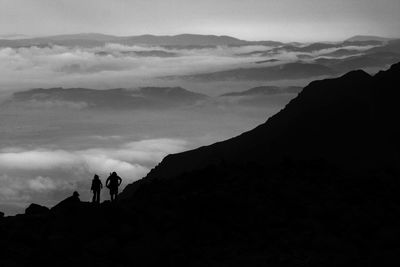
(35, 209)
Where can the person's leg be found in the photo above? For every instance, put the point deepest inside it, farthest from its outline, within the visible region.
(94, 196)
(98, 196)
(96, 193)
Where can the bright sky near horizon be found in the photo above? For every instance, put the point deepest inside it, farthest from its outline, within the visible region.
(286, 20)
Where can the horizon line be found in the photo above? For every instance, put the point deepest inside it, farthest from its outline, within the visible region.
(21, 36)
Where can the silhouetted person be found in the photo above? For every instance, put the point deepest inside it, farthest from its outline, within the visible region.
(97, 185)
(112, 183)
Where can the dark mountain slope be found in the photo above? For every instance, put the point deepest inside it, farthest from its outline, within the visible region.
(316, 185)
(334, 120)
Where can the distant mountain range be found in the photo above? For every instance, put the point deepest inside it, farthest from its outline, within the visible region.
(147, 53)
(142, 98)
(375, 60)
(343, 53)
(342, 49)
(12, 36)
(265, 90)
(316, 59)
(314, 47)
(94, 39)
(132, 99)
(289, 71)
(173, 41)
(333, 63)
(363, 38)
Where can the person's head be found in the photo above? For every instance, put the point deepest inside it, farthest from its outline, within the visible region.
(75, 194)
(114, 174)
(96, 177)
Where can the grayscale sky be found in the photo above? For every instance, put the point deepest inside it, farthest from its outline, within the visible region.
(286, 20)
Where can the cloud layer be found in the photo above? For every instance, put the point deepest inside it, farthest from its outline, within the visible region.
(108, 66)
(115, 65)
(51, 148)
(27, 174)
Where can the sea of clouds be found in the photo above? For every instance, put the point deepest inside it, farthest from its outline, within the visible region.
(29, 67)
(50, 149)
(115, 65)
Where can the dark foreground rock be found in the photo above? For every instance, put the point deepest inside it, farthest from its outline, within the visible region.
(316, 185)
(35, 209)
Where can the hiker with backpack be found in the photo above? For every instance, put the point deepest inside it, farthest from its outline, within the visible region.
(112, 183)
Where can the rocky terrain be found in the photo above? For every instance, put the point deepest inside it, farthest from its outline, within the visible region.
(315, 185)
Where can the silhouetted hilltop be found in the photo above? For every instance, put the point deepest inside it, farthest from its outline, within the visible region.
(120, 98)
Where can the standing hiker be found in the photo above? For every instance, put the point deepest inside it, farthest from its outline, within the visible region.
(112, 183)
(96, 188)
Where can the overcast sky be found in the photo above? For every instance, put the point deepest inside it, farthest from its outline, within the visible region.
(296, 20)
(252, 19)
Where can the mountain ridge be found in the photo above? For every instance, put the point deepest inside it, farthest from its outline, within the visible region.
(315, 185)
(357, 38)
(287, 71)
(279, 133)
(95, 39)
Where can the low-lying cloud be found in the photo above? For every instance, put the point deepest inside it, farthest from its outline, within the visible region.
(131, 159)
(33, 172)
(115, 65)
(51, 148)
(61, 66)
